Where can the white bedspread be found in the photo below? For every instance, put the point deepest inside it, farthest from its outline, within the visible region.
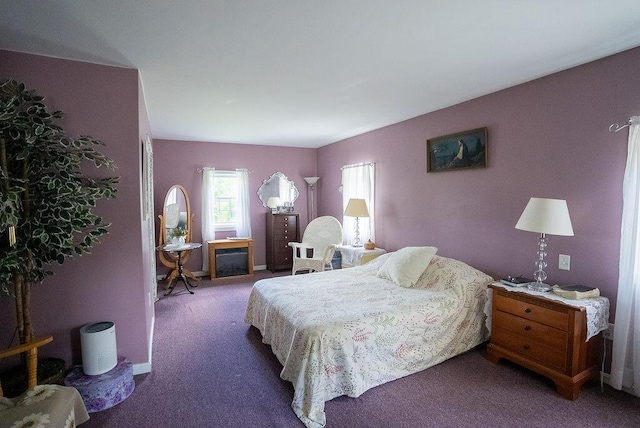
(343, 332)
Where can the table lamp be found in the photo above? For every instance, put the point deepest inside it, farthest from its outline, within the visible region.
(546, 217)
(274, 202)
(357, 208)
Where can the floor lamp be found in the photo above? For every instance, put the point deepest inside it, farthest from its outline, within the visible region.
(311, 181)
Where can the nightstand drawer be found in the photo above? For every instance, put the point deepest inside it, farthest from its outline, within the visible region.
(532, 331)
(530, 311)
(531, 349)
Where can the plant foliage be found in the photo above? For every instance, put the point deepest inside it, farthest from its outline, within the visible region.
(43, 192)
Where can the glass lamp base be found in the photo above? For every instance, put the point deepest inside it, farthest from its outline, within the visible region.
(538, 286)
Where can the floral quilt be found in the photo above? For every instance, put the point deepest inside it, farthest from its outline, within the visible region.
(343, 332)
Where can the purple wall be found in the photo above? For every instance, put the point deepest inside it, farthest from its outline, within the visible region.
(177, 162)
(546, 138)
(107, 284)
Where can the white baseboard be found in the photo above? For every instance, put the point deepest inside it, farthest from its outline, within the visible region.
(142, 368)
(200, 273)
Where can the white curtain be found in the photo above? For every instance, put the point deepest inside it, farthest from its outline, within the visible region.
(358, 182)
(625, 365)
(243, 225)
(208, 211)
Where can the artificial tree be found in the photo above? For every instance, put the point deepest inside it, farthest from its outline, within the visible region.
(46, 201)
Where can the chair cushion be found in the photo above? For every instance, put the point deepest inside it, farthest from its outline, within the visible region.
(45, 405)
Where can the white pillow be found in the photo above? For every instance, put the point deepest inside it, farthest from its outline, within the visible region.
(405, 266)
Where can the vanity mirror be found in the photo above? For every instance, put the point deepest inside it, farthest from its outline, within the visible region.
(175, 226)
(278, 186)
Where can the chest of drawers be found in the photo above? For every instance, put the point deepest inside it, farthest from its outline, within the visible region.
(545, 336)
(281, 229)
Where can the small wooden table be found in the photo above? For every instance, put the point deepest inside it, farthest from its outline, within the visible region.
(179, 274)
(220, 244)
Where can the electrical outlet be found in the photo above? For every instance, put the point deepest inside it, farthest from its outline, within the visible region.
(564, 262)
(608, 333)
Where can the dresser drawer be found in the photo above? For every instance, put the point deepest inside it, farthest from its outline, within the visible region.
(532, 331)
(533, 312)
(549, 356)
(284, 235)
(285, 221)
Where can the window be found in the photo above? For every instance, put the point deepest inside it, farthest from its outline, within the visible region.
(225, 200)
(358, 182)
(225, 205)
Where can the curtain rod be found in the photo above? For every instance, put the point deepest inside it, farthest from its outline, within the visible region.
(614, 127)
(353, 165)
(237, 169)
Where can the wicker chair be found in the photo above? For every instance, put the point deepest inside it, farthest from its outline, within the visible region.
(54, 404)
(320, 238)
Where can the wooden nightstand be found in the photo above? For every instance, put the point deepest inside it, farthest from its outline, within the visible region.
(546, 336)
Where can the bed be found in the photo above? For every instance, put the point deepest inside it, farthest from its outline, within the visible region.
(343, 332)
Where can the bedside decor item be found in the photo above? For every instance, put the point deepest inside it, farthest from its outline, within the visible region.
(458, 151)
(357, 208)
(544, 216)
(576, 292)
(369, 245)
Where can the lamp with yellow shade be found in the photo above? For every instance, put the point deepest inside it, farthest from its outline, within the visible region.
(356, 208)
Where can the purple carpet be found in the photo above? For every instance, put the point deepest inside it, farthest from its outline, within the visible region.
(212, 370)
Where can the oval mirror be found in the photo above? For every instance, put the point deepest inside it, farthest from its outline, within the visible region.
(176, 213)
(278, 185)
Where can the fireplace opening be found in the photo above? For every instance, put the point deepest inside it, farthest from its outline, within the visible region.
(232, 262)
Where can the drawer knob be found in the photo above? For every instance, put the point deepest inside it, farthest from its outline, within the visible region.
(525, 346)
(528, 310)
(527, 327)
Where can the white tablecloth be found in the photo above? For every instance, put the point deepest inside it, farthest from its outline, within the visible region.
(597, 308)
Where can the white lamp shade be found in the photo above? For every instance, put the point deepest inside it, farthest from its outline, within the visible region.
(311, 180)
(548, 216)
(356, 208)
(274, 202)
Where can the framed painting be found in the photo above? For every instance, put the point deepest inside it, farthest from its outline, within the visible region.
(457, 151)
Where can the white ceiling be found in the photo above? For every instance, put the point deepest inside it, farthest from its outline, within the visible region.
(307, 73)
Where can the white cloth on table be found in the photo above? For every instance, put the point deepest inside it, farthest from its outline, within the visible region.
(597, 308)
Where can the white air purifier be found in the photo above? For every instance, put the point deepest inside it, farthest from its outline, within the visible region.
(99, 350)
